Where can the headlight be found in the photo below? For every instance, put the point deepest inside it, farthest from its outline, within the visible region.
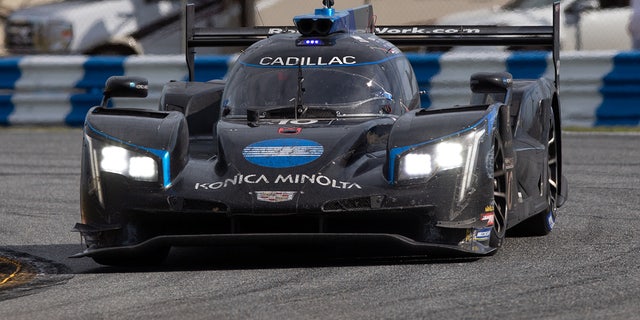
(119, 160)
(421, 162)
(54, 36)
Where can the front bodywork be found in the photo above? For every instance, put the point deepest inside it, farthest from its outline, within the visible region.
(342, 180)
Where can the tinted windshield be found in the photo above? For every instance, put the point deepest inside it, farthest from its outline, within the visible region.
(342, 90)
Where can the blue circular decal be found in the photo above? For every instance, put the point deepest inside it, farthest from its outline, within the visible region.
(282, 153)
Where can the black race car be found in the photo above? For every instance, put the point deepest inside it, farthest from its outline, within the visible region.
(316, 138)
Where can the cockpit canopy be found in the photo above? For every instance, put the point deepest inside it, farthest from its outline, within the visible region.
(338, 76)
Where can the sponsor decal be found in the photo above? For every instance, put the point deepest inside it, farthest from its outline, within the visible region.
(138, 86)
(282, 30)
(488, 215)
(482, 234)
(283, 153)
(236, 180)
(425, 30)
(395, 30)
(289, 130)
(314, 179)
(297, 121)
(275, 196)
(307, 61)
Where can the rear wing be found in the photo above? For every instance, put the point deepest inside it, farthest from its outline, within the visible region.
(521, 36)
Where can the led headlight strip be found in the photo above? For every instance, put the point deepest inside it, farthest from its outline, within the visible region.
(470, 163)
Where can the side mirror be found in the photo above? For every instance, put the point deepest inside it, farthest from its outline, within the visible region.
(124, 86)
(490, 82)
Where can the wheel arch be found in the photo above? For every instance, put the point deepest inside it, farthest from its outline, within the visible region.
(504, 129)
(562, 187)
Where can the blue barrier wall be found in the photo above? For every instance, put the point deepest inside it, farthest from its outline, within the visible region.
(425, 67)
(601, 88)
(97, 71)
(621, 92)
(9, 75)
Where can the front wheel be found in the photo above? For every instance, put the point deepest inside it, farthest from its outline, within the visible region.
(543, 222)
(499, 228)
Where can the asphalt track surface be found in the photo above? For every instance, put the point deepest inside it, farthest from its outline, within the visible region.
(586, 269)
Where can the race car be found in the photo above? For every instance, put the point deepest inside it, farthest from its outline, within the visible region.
(316, 138)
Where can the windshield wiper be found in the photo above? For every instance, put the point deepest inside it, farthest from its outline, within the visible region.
(315, 112)
(253, 115)
(300, 110)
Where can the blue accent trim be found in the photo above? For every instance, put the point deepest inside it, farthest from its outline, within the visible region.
(253, 65)
(325, 12)
(621, 92)
(163, 155)
(97, 71)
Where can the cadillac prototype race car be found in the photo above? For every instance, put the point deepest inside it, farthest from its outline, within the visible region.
(316, 138)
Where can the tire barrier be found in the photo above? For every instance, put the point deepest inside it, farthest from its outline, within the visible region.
(596, 88)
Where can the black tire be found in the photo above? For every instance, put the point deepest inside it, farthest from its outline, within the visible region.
(499, 228)
(543, 222)
(149, 258)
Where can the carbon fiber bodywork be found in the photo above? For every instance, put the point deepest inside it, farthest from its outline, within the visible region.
(344, 191)
(203, 170)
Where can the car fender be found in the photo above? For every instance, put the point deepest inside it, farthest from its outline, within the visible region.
(421, 127)
(143, 131)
